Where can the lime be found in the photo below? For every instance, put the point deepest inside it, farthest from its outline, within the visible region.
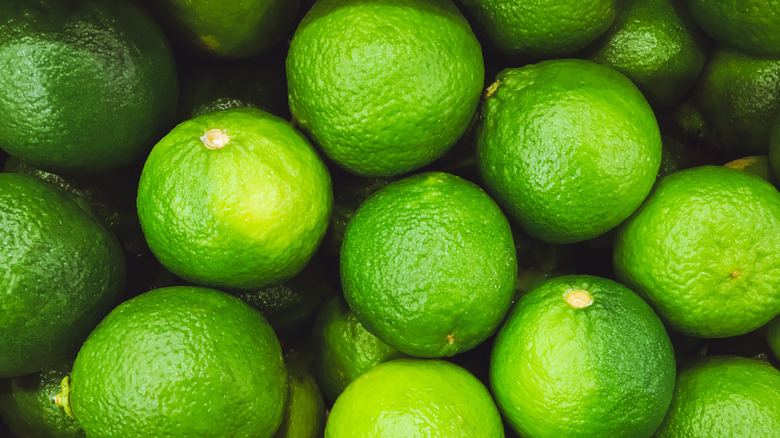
(415, 398)
(540, 29)
(27, 405)
(657, 45)
(739, 97)
(748, 25)
(180, 361)
(428, 265)
(344, 349)
(582, 356)
(287, 306)
(304, 411)
(384, 87)
(234, 199)
(228, 28)
(757, 165)
(348, 195)
(62, 272)
(94, 83)
(704, 250)
(722, 396)
(569, 148)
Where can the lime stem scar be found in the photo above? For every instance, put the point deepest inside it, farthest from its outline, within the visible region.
(578, 299)
(735, 274)
(215, 139)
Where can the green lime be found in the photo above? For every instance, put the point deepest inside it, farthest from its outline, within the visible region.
(569, 148)
(722, 396)
(757, 165)
(227, 85)
(27, 405)
(348, 195)
(180, 361)
(62, 272)
(582, 356)
(304, 411)
(773, 336)
(657, 45)
(287, 306)
(384, 87)
(428, 265)
(93, 83)
(541, 29)
(415, 398)
(236, 199)
(749, 25)
(739, 97)
(344, 348)
(704, 250)
(231, 29)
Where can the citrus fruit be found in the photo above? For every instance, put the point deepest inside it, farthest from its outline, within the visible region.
(304, 411)
(231, 29)
(27, 405)
(415, 398)
(347, 197)
(180, 361)
(428, 265)
(227, 85)
(748, 25)
(582, 356)
(657, 45)
(704, 250)
(757, 165)
(540, 29)
(721, 396)
(235, 199)
(62, 272)
(384, 87)
(288, 305)
(94, 83)
(569, 148)
(344, 349)
(773, 336)
(739, 97)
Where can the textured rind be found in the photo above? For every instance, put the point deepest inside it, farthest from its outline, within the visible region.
(569, 148)
(739, 96)
(62, 271)
(87, 86)
(344, 348)
(415, 398)
(657, 45)
(180, 362)
(605, 370)
(384, 87)
(428, 265)
(242, 217)
(543, 29)
(749, 25)
(27, 405)
(720, 396)
(304, 412)
(233, 29)
(681, 248)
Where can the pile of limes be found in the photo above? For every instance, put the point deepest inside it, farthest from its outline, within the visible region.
(389, 218)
